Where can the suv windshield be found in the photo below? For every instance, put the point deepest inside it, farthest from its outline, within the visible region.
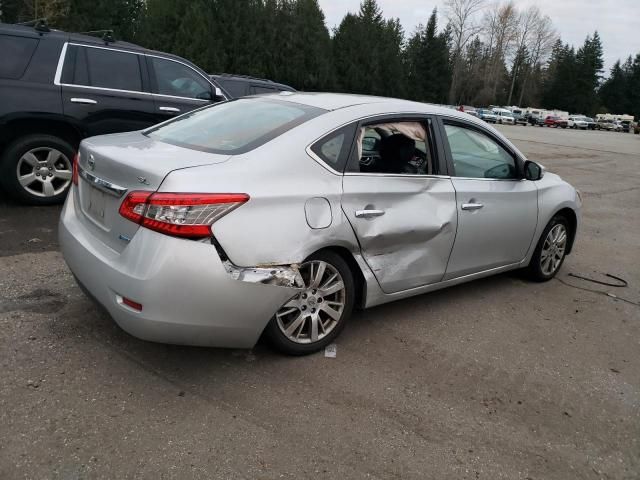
(233, 127)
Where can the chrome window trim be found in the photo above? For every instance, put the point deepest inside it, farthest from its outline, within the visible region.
(100, 184)
(63, 54)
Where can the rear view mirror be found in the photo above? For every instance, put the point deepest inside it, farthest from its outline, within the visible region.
(533, 171)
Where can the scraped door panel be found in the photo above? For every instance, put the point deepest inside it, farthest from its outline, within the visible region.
(406, 226)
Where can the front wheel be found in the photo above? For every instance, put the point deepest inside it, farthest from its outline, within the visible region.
(550, 251)
(315, 317)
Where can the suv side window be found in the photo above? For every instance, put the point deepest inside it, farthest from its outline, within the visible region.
(16, 54)
(100, 67)
(179, 80)
(476, 155)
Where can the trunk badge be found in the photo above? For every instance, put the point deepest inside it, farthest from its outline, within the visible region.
(143, 180)
(91, 162)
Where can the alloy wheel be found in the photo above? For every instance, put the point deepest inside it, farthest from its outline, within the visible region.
(553, 249)
(44, 171)
(317, 309)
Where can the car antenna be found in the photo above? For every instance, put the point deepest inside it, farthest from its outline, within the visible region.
(39, 25)
(106, 35)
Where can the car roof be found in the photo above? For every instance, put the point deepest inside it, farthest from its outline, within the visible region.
(335, 101)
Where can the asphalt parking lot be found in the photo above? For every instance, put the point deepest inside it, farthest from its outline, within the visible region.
(499, 378)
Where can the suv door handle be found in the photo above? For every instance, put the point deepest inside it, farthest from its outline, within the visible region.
(88, 101)
(472, 206)
(369, 213)
(169, 109)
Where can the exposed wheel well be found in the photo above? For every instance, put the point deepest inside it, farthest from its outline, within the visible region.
(358, 277)
(570, 215)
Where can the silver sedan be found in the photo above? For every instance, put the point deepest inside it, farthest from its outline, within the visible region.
(280, 214)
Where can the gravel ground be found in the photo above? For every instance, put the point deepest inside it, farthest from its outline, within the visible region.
(499, 378)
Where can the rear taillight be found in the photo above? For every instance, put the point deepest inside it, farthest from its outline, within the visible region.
(188, 215)
(74, 174)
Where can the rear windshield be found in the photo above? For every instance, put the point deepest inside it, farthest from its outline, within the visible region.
(234, 127)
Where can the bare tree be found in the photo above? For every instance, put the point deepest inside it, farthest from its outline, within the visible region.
(540, 43)
(500, 25)
(461, 17)
(527, 22)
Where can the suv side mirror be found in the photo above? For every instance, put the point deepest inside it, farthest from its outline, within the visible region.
(533, 171)
(219, 96)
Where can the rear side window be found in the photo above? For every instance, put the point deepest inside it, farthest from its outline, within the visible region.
(99, 67)
(334, 148)
(16, 55)
(233, 127)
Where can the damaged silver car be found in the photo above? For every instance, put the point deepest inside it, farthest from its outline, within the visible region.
(280, 214)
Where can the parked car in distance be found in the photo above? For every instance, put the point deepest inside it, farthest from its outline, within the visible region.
(58, 88)
(534, 119)
(503, 116)
(487, 115)
(555, 121)
(191, 255)
(591, 123)
(625, 126)
(636, 128)
(468, 109)
(604, 124)
(243, 85)
(578, 122)
(520, 119)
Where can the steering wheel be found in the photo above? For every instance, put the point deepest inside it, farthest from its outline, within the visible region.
(500, 171)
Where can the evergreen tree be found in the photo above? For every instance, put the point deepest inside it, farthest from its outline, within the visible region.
(427, 63)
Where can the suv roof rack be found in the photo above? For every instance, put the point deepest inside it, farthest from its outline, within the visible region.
(244, 76)
(105, 35)
(39, 25)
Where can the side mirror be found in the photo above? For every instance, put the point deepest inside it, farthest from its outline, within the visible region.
(219, 96)
(533, 171)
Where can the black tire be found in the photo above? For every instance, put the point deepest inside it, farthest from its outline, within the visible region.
(534, 269)
(277, 337)
(9, 167)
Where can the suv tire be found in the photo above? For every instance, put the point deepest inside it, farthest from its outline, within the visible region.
(43, 158)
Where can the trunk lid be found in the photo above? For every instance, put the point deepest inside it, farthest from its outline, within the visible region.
(111, 166)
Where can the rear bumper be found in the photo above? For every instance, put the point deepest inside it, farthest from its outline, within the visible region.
(188, 297)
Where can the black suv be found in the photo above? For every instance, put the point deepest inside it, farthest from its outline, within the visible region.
(57, 88)
(244, 85)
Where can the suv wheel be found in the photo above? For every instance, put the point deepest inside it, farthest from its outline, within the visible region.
(37, 169)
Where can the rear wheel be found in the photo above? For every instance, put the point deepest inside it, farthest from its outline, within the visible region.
(315, 316)
(37, 169)
(550, 251)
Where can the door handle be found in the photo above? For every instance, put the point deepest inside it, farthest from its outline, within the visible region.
(369, 213)
(169, 109)
(472, 206)
(87, 101)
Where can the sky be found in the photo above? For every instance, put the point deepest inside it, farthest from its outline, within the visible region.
(617, 21)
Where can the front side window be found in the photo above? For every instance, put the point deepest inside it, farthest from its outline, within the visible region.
(402, 148)
(179, 80)
(234, 127)
(476, 155)
(16, 54)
